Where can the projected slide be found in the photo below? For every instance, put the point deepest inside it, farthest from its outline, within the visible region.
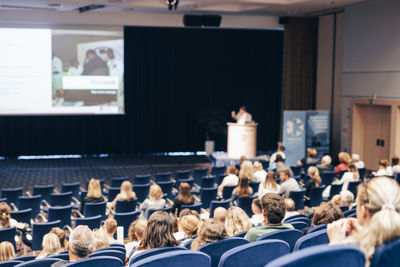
(61, 71)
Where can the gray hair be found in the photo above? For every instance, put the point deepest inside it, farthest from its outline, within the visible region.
(81, 241)
(326, 159)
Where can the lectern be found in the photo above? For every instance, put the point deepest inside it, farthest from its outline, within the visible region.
(242, 140)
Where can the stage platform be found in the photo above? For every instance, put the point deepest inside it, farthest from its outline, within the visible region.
(218, 159)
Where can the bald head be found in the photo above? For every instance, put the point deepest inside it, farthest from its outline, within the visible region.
(220, 214)
(289, 204)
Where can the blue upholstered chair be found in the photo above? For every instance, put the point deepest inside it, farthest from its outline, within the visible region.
(216, 203)
(32, 202)
(208, 182)
(166, 187)
(44, 190)
(227, 191)
(61, 199)
(207, 195)
(352, 187)
(125, 219)
(163, 177)
(218, 171)
(245, 204)
(117, 181)
(59, 256)
(361, 172)
(142, 191)
(96, 262)
(8, 234)
(25, 258)
(324, 255)
(316, 196)
(349, 212)
(298, 198)
(94, 209)
(199, 173)
(340, 175)
(109, 252)
(91, 222)
(316, 228)
(10, 263)
(72, 187)
(39, 230)
(179, 258)
(152, 252)
(142, 179)
(313, 239)
(195, 206)
(60, 213)
(112, 193)
(335, 189)
(12, 195)
(296, 216)
(255, 254)
(290, 236)
(241, 234)
(387, 254)
(296, 170)
(298, 219)
(46, 262)
(126, 206)
(23, 216)
(327, 177)
(182, 174)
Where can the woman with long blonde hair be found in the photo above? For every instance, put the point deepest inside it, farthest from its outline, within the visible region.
(94, 194)
(7, 251)
(269, 185)
(100, 239)
(378, 217)
(350, 176)
(209, 232)
(315, 181)
(126, 194)
(51, 246)
(154, 201)
(236, 221)
(247, 170)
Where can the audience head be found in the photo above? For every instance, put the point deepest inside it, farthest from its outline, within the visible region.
(190, 225)
(155, 192)
(326, 213)
(270, 179)
(257, 166)
(383, 163)
(61, 237)
(279, 159)
(236, 221)
(246, 170)
(311, 152)
(314, 175)
(110, 226)
(355, 158)
(326, 160)
(353, 168)
(126, 190)
(94, 189)
(175, 223)
(241, 160)
(185, 195)
(80, 243)
(284, 174)
(7, 251)
(344, 157)
(242, 109)
(395, 160)
(209, 232)
(346, 198)
(273, 207)
(51, 244)
(136, 230)
(187, 211)
(4, 215)
(231, 170)
(256, 206)
(159, 232)
(281, 148)
(243, 188)
(220, 214)
(100, 239)
(290, 205)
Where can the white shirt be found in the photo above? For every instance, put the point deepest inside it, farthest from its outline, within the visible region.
(230, 180)
(242, 118)
(259, 176)
(359, 164)
(129, 246)
(269, 189)
(257, 219)
(75, 71)
(273, 156)
(396, 169)
(346, 178)
(384, 172)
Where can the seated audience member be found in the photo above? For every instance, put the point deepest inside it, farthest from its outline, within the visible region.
(257, 217)
(126, 194)
(355, 159)
(135, 235)
(325, 165)
(158, 233)
(93, 195)
(210, 231)
(220, 214)
(186, 211)
(315, 181)
(246, 170)
(184, 197)
(280, 152)
(350, 176)
(80, 245)
(395, 165)
(5, 217)
(290, 208)
(326, 213)
(241, 160)
(61, 237)
(378, 218)
(269, 185)
(100, 239)
(344, 159)
(51, 246)
(278, 165)
(189, 224)
(384, 169)
(6, 251)
(236, 221)
(243, 189)
(273, 207)
(345, 198)
(259, 172)
(155, 201)
(287, 183)
(110, 227)
(179, 236)
(230, 180)
(311, 157)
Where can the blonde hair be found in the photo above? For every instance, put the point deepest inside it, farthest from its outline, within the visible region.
(344, 157)
(6, 251)
(51, 244)
(94, 189)
(126, 192)
(155, 192)
(100, 239)
(190, 225)
(353, 168)
(210, 231)
(246, 170)
(236, 221)
(110, 225)
(61, 236)
(231, 170)
(314, 175)
(271, 179)
(257, 166)
(136, 228)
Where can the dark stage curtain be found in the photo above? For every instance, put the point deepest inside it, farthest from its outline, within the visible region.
(171, 75)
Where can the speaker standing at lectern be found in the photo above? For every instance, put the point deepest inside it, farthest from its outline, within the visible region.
(242, 117)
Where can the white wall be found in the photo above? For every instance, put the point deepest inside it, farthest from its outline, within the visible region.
(371, 60)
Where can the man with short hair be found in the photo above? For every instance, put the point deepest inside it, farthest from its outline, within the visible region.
(290, 206)
(110, 226)
(325, 165)
(281, 151)
(242, 117)
(287, 183)
(220, 214)
(273, 208)
(80, 245)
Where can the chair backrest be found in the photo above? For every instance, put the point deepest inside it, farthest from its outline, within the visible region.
(117, 181)
(26, 258)
(152, 252)
(61, 213)
(23, 216)
(296, 170)
(93, 209)
(387, 254)
(72, 187)
(113, 247)
(44, 190)
(182, 174)
(215, 203)
(61, 199)
(340, 175)
(207, 195)
(163, 177)
(142, 191)
(245, 204)
(32, 202)
(216, 249)
(46, 262)
(60, 256)
(109, 252)
(290, 236)
(166, 187)
(335, 189)
(108, 261)
(298, 219)
(91, 222)
(316, 196)
(39, 230)
(126, 206)
(327, 177)
(175, 258)
(241, 234)
(352, 187)
(296, 216)
(8, 234)
(316, 228)
(361, 172)
(218, 170)
(112, 193)
(208, 182)
(298, 198)
(349, 212)
(82, 195)
(12, 195)
(344, 208)
(188, 244)
(10, 263)
(255, 254)
(125, 219)
(227, 191)
(313, 239)
(220, 178)
(254, 186)
(199, 173)
(195, 206)
(142, 179)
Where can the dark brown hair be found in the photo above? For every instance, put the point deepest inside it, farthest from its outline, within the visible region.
(257, 203)
(187, 211)
(273, 207)
(243, 188)
(326, 213)
(4, 215)
(271, 179)
(159, 232)
(185, 195)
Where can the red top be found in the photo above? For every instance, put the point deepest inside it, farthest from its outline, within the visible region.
(341, 167)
